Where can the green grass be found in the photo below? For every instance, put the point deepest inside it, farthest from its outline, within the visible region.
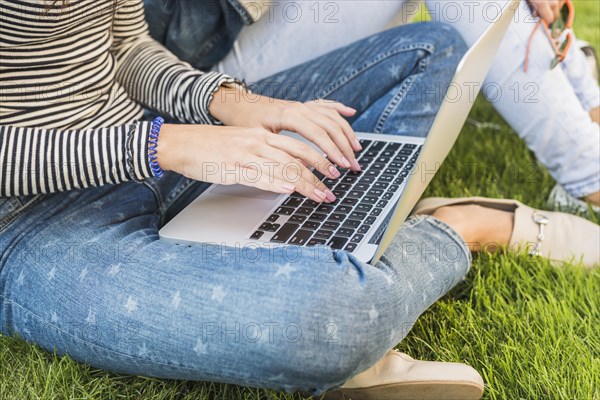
(532, 330)
(587, 19)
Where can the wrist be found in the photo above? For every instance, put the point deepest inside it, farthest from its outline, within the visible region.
(164, 147)
(228, 102)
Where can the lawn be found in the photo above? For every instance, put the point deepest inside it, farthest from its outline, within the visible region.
(532, 330)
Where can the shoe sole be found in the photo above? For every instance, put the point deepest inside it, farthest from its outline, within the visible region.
(412, 391)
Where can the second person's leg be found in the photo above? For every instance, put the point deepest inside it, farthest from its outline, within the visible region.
(541, 104)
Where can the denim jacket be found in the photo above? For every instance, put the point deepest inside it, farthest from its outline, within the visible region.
(200, 32)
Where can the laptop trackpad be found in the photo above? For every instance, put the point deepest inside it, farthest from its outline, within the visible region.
(243, 191)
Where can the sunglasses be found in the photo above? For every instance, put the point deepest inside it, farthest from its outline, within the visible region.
(559, 33)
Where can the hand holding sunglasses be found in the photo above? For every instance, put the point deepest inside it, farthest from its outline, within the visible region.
(559, 32)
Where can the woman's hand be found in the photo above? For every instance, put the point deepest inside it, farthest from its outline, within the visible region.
(319, 121)
(548, 10)
(248, 156)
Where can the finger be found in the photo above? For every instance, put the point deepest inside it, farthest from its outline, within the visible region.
(555, 6)
(292, 167)
(305, 181)
(304, 153)
(255, 173)
(280, 166)
(336, 134)
(341, 121)
(272, 184)
(293, 170)
(343, 109)
(296, 122)
(545, 10)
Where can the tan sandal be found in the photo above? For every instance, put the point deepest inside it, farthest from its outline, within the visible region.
(554, 235)
(398, 376)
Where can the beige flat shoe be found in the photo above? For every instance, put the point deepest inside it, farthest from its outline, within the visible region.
(554, 235)
(399, 377)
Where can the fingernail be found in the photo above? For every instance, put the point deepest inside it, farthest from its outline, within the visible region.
(334, 172)
(289, 188)
(357, 144)
(351, 109)
(330, 196)
(345, 162)
(320, 194)
(356, 165)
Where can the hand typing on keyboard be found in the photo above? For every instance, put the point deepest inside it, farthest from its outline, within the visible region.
(362, 198)
(320, 121)
(247, 156)
(248, 151)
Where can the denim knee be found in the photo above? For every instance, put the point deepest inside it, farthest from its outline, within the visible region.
(349, 341)
(446, 40)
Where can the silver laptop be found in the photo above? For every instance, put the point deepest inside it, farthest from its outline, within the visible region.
(371, 205)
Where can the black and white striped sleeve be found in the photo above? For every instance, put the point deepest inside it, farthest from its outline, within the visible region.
(154, 77)
(35, 161)
(70, 80)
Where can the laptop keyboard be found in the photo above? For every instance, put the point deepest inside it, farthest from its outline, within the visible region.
(361, 199)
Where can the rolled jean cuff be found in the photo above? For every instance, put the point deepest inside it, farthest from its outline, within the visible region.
(460, 241)
(582, 190)
(441, 226)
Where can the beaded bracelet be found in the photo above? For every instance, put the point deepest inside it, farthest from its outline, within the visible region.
(152, 145)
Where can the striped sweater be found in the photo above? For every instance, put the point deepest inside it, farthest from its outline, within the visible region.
(73, 84)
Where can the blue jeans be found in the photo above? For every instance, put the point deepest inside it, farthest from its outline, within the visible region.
(84, 272)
